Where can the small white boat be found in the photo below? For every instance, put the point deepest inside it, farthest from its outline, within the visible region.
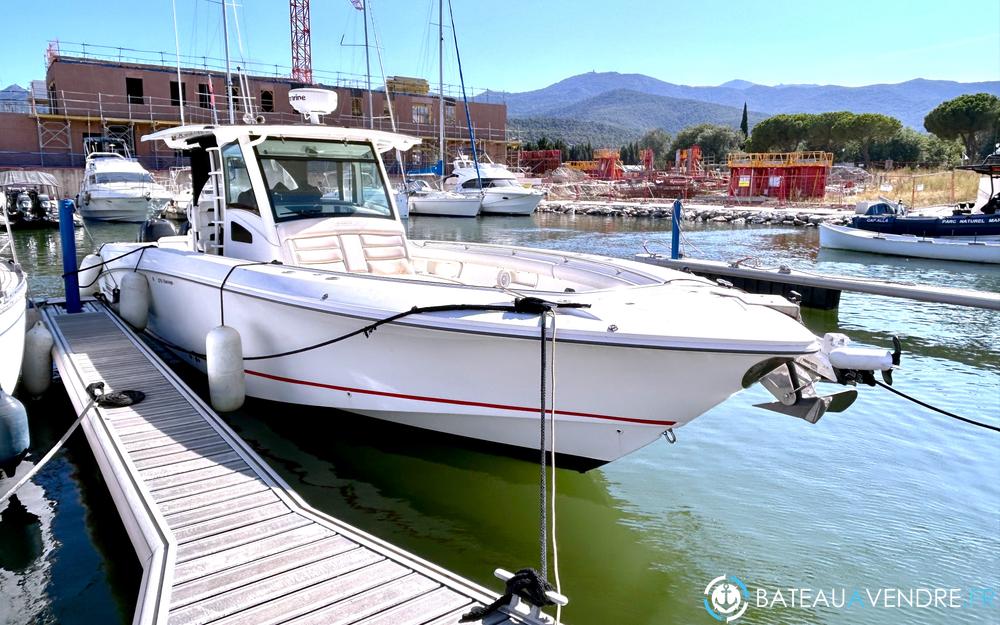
(425, 200)
(854, 239)
(13, 299)
(298, 241)
(117, 188)
(499, 188)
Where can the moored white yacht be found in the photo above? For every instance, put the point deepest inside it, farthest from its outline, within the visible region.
(295, 241)
(499, 188)
(425, 200)
(117, 188)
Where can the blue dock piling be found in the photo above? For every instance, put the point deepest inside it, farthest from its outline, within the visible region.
(67, 239)
(675, 228)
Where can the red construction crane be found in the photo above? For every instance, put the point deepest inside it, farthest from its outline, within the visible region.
(301, 41)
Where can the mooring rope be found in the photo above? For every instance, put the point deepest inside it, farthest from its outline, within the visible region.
(542, 499)
(106, 262)
(936, 409)
(552, 427)
(48, 456)
(98, 397)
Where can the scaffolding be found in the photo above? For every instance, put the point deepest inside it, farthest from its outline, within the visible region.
(779, 175)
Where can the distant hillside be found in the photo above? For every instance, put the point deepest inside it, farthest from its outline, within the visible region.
(572, 131)
(909, 101)
(642, 111)
(616, 117)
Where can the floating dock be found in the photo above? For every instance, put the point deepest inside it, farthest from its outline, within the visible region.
(220, 536)
(820, 290)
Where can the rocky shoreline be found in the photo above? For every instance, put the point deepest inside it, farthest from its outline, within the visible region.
(701, 213)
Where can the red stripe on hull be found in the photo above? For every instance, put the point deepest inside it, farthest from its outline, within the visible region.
(457, 402)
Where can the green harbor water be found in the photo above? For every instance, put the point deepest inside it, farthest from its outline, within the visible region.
(887, 495)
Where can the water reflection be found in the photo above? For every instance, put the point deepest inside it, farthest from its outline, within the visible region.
(472, 511)
(26, 542)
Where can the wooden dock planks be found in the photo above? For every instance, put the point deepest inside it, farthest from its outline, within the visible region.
(237, 545)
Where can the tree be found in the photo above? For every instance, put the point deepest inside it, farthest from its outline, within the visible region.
(822, 131)
(716, 141)
(782, 133)
(866, 129)
(906, 146)
(745, 123)
(968, 117)
(938, 151)
(658, 141)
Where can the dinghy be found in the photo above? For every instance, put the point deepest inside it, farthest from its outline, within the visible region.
(854, 239)
(295, 246)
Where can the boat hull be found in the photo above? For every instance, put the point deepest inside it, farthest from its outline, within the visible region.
(846, 238)
(128, 209)
(450, 207)
(610, 399)
(950, 226)
(497, 203)
(12, 326)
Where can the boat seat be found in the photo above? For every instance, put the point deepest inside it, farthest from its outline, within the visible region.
(352, 245)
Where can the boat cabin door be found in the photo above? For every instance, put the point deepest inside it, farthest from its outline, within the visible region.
(246, 232)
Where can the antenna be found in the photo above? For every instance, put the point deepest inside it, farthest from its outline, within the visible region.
(177, 51)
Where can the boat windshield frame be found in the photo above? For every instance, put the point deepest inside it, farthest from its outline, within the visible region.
(313, 205)
(128, 177)
(489, 183)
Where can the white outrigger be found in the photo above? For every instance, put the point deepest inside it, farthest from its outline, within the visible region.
(295, 241)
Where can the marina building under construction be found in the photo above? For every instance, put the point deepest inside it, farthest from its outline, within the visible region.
(92, 91)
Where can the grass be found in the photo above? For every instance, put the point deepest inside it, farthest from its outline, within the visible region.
(920, 188)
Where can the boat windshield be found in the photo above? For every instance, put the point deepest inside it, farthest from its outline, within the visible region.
(306, 179)
(122, 176)
(489, 183)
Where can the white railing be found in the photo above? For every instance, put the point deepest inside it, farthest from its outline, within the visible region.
(121, 108)
(118, 54)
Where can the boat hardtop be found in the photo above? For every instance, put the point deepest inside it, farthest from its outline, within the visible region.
(184, 137)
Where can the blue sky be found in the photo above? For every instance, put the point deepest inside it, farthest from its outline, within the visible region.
(517, 45)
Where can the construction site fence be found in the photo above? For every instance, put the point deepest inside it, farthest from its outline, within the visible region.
(119, 108)
(919, 190)
(117, 54)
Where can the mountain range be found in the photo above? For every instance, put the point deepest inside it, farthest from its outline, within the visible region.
(627, 105)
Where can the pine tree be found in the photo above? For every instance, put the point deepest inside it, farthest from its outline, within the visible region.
(745, 123)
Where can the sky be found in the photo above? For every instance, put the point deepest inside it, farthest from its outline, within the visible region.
(520, 45)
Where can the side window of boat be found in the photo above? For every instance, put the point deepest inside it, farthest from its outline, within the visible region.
(239, 192)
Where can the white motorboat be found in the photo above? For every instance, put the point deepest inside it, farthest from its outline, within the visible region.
(425, 200)
(499, 188)
(117, 188)
(287, 249)
(941, 248)
(13, 300)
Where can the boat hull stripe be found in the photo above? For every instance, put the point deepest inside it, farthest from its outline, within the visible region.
(457, 402)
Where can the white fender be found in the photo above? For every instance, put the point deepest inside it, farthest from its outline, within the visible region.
(224, 360)
(134, 303)
(36, 369)
(90, 269)
(862, 358)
